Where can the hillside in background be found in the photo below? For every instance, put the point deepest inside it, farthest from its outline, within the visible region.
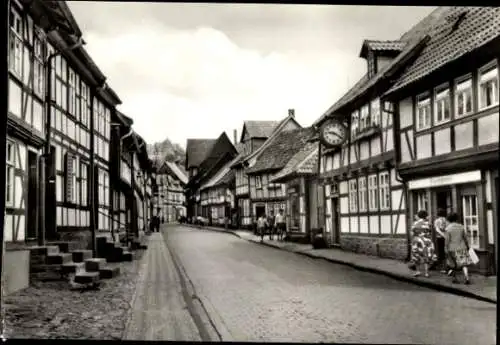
(166, 150)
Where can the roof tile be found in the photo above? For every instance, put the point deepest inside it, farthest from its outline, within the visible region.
(260, 129)
(197, 150)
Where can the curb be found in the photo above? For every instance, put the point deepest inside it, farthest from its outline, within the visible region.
(420, 282)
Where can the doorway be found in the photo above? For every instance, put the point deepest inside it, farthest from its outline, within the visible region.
(259, 211)
(335, 221)
(444, 200)
(32, 207)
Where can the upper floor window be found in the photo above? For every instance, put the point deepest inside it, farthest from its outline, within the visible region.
(375, 112)
(16, 43)
(354, 123)
(463, 97)
(258, 182)
(71, 92)
(442, 111)
(38, 68)
(364, 121)
(423, 112)
(488, 87)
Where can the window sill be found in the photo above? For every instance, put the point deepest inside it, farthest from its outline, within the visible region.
(367, 133)
(488, 107)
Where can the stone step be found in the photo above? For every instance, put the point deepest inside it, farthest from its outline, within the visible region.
(45, 268)
(60, 258)
(64, 246)
(81, 255)
(43, 250)
(73, 267)
(87, 277)
(94, 264)
(109, 272)
(127, 256)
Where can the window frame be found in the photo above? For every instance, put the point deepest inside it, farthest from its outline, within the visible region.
(384, 190)
(375, 120)
(355, 118)
(258, 182)
(353, 195)
(16, 52)
(373, 197)
(484, 70)
(362, 194)
(423, 101)
(10, 167)
(440, 101)
(459, 81)
(364, 117)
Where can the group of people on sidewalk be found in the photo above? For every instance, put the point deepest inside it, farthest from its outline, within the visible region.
(454, 253)
(274, 225)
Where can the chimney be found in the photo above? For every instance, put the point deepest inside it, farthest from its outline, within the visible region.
(291, 112)
(235, 134)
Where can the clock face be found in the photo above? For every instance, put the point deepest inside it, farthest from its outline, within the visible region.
(333, 133)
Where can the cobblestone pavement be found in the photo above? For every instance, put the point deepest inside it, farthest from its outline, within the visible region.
(260, 293)
(50, 310)
(159, 311)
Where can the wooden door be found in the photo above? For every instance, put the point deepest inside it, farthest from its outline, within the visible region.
(335, 220)
(32, 207)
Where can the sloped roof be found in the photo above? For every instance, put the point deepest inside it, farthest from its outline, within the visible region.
(177, 171)
(304, 162)
(197, 150)
(259, 129)
(279, 152)
(477, 27)
(224, 175)
(413, 38)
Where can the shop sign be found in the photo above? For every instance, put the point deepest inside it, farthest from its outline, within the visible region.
(444, 180)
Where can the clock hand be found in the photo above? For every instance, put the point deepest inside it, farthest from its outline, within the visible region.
(335, 134)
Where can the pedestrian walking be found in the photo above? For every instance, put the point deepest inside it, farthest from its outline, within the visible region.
(271, 224)
(440, 225)
(422, 248)
(457, 247)
(281, 225)
(261, 226)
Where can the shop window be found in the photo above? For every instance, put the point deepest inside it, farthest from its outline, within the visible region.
(422, 200)
(423, 112)
(442, 111)
(470, 217)
(463, 97)
(9, 174)
(488, 87)
(353, 196)
(385, 193)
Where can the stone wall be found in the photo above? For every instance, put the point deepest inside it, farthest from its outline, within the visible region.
(82, 239)
(385, 247)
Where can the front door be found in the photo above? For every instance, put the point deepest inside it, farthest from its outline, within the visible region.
(32, 207)
(259, 211)
(335, 220)
(50, 196)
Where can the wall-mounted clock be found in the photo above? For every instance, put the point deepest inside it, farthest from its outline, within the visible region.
(333, 133)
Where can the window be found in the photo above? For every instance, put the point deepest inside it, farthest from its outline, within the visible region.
(362, 194)
(375, 112)
(372, 193)
(463, 97)
(385, 193)
(354, 123)
(442, 111)
(364, 121)
(16, 43)
(84, 183)
(469, 206)
(423, 112)
(488, 88)
(38, 70)
(72, 92)
(71, 169)
(106, 187)
(353, 196)
(258, 182)
(100, 187)
(9, 173)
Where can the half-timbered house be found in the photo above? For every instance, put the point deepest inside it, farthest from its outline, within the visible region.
(299, 175)
(171, 191)
(264, 194)
(447, 125)
(255, 137)
(365, 203)
(221, 152)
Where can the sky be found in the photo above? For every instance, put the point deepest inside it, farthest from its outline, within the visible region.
(187, 70)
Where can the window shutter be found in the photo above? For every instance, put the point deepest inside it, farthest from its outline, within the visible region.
(69, 177)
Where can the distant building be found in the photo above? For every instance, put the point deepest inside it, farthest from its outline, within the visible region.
(171, 180)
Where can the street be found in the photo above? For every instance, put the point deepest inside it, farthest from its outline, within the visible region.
(251, 292)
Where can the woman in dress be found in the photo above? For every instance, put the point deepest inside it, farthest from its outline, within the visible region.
(457, 247)
(422, 248)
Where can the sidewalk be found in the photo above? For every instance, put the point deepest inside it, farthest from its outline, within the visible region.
(482, 288)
